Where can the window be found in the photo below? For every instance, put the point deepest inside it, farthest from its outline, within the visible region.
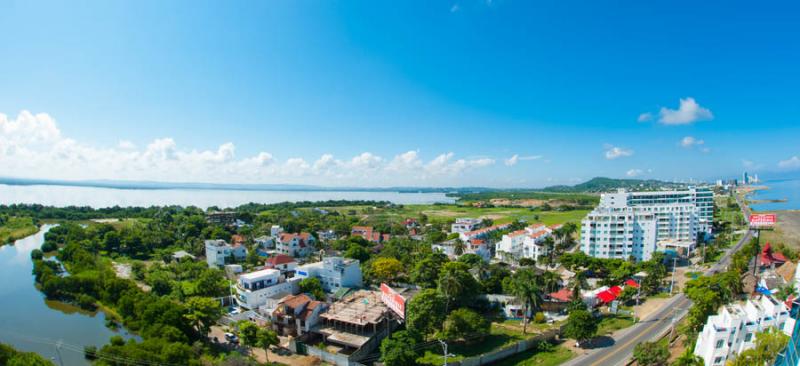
(748, 337)
(717, 360)
(720, 343)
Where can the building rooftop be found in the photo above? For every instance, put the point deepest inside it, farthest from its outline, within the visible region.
(361, 308)
(251, 276)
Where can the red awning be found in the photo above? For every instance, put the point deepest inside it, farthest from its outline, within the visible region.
(616, 290)
(631, 283)
(606, 296)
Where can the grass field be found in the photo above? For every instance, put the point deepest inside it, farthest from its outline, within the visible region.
(556, 356)
(612, 323)
(442, 213)
(16, 228)
(500, 337)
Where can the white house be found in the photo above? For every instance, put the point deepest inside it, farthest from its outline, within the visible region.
(254, 288)
(281, 262)
(463, 225)
(733, 329)
(295, 245)
(217, 251)
(619, 233)
(333, 273)
(526, 243)
(481, 233)
(265, 242)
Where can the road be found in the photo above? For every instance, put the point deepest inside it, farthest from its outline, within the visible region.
(658, 323)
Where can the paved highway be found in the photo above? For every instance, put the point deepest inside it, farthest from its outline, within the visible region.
(657, 324)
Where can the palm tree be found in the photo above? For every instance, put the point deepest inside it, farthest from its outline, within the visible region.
(526, 286)
(786, 291)
(577, 284)
(458, 247)
(550, 281)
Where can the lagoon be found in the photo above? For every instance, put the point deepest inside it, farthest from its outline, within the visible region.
(96, 197)
(31, 323)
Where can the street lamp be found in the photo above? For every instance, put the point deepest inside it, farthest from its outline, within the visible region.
(444, 348)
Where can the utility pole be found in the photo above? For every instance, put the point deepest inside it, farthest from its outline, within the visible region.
(444, 347)
(672, 282)
(58, 352)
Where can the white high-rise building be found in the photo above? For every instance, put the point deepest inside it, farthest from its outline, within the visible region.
(618, 233)
(733, 329)
(637, 223)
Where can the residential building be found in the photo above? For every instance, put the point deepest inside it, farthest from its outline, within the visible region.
(326, 235)
(333, 272)
(265, 242)
(275, 230)
(351, 329)
(733, 329)
(481, 233)
(473, 246)
(218, 251)
(222, 217)
(619, 233)
(281, 262)
(525, 243)
(254, 288)
(664, 204)
(369, 234)
(295, 245)
(463, 225)
(295, 315)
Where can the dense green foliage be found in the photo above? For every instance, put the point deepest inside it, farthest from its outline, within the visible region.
(11, 357)
(651, 354)
(15, 227)
(601, 184)
(581, 325)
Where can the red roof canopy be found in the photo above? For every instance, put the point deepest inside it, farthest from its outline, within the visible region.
(606, 296)
(631, 283)
(616, 290)
(563, 295)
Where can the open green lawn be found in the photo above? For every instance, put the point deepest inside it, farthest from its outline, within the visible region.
(443, 213)
(16, 228)
(611, 323)
(500, 337)
(555, 356)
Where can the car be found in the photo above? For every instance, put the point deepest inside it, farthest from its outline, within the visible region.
(235, 311)
(230, 337)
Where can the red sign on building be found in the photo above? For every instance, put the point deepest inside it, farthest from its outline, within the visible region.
(763, 220)
(393, 300)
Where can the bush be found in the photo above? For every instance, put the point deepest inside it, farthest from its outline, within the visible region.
(86, 302)
(90, 352)
(37, 254)
(539, 318)
(49, 246)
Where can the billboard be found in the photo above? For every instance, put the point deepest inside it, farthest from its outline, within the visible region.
(393, 300)
(763, 220)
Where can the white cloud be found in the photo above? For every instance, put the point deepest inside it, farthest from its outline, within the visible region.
(634, 172)
(32, 146)
(688, 112)
(689, 142)
(615, 152)
(791, 163)
(645, 117)
(514, 159)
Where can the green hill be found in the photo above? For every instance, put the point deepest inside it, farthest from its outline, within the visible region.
(602, 184)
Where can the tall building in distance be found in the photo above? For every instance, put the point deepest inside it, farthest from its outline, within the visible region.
(635, 224)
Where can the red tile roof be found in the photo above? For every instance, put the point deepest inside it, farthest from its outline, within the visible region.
(278, 260)
(296, 301)
(563, 295)
(769, 258)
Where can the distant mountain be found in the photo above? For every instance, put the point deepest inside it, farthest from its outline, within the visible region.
(602, 184)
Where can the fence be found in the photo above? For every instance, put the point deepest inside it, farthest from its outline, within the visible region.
(518, 347)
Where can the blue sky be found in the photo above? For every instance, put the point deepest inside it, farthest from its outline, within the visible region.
(379, 93)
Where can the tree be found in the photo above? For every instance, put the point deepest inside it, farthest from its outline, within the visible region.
(465, 324)
(627, 294)
(688, 358)
(581, 325)
(203, 312)
(398, 349)
(425, 312)
(426, 272)
(254, 336)
(266, 338)
(386, 269)
(358, 252)
(578, 283)
(311, 285)
(768, 344)
(457, 284)
(527, 287)
(651, 354)
(786, 291)
(458, 247)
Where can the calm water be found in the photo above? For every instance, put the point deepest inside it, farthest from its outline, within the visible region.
(107, 197)
(785, 189)
(30, 323)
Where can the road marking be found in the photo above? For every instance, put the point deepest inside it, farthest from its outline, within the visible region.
(641, 334)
